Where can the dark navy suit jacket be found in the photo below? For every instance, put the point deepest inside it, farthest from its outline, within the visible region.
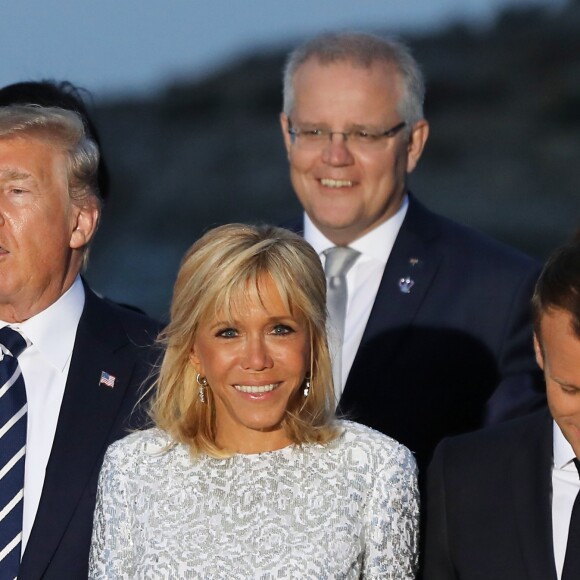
(456, 351)
(489, 504)
(116, 340)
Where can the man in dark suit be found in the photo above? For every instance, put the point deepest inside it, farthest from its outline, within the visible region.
(437, 338)
(500, 501)
(86, 358)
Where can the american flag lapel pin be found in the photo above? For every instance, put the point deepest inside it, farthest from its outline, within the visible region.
(107, 379)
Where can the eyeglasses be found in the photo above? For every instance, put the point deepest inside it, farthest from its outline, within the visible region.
(315, 138)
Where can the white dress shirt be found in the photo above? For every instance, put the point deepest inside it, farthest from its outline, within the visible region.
(45, 364)
(565, 487)
(362, 280)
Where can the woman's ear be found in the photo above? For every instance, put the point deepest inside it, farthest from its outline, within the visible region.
(196, 361)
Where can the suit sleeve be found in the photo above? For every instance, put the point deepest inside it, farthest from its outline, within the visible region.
(392, 520)
(438, 564)
(520, 390)
(111, 553)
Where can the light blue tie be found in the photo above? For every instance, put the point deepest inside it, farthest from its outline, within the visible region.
(13, 409)
(339, 260)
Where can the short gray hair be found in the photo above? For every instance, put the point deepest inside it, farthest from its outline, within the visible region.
(64, 129)
(362, 49)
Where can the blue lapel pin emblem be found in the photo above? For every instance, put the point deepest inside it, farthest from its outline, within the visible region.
(405, 285)
(107, 379)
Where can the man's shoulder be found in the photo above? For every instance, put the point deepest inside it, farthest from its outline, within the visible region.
(103, 312)
(463, 240)
(491, 443)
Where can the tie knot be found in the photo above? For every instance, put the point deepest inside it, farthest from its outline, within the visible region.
(12, 340)
(577, 464)
(339, 260)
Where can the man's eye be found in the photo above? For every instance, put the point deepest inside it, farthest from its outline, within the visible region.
(364, 135)
(313, 133)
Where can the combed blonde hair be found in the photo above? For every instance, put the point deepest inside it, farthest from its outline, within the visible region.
(222, 270)
(63, 129)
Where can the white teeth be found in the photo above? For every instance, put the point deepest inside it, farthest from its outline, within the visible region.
(336, 183)
(255, 389)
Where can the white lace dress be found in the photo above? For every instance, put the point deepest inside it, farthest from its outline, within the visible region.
(348, 509)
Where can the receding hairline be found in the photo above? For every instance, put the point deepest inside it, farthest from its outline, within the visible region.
(389, 70)
(358, 47)
(362, 50)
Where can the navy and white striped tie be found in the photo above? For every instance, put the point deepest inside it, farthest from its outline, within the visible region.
(13, 409)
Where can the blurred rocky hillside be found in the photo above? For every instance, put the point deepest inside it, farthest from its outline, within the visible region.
(503, 156)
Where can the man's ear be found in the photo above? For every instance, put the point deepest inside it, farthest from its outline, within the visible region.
(538, 351)
(417, 140)
(285, 124)
(86, 221)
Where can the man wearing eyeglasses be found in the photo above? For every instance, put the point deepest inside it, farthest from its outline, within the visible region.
(429, 320)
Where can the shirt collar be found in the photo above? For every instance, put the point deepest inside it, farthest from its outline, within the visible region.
(64, 315)
(563, 452)
(372, 244)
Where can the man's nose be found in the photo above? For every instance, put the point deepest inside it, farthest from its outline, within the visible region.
(336, 151)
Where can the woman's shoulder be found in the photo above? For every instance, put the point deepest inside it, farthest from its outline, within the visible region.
(139, 445)
(378, 448)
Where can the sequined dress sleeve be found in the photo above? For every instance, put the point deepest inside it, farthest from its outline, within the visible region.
(345, 510)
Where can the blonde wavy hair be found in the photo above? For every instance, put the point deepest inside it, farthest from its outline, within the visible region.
(220, 271)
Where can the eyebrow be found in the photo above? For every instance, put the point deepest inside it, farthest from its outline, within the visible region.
(233, 322)
(14, 174)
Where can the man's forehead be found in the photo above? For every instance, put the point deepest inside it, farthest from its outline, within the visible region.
(320, 61)
(30, 157)
(32, 141)
(557, 319)
(558, 338)
(338, 77)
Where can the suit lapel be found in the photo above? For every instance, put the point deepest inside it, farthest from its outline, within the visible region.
(531, 479)
(410, 271)
(87, 414)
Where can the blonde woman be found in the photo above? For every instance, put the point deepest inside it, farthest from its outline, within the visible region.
(247, 474)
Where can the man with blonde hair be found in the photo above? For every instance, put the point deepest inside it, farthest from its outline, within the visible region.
(71, 362)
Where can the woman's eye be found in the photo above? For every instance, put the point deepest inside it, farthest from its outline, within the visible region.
(227, 333)
(282, 329)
